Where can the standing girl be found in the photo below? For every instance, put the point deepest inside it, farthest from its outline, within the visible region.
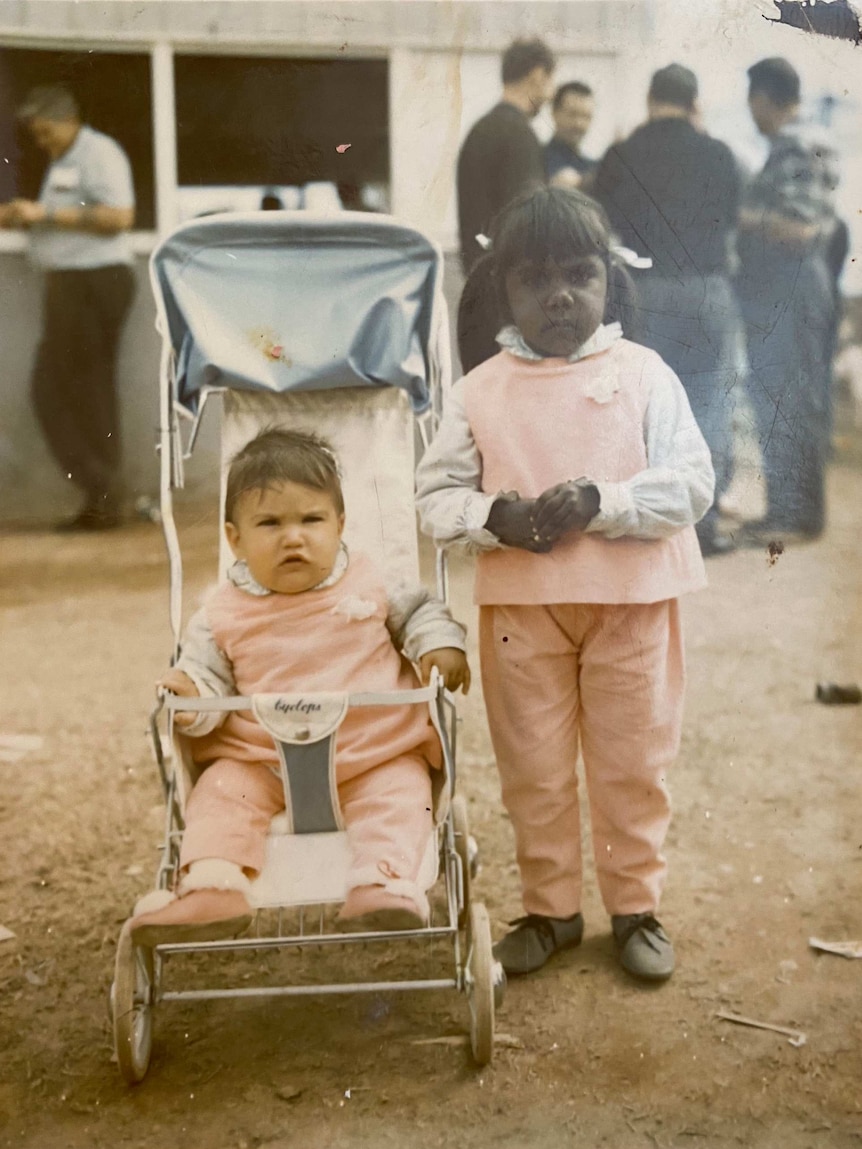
(572, 463)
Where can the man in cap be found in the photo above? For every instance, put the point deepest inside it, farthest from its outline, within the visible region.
(78, 235)
(501, 156)
(672, 194)
(787, 228)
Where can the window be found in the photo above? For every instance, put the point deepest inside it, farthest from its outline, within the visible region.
(113, 91)
(268, 122)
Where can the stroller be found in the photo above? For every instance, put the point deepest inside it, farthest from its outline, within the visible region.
(336, 325)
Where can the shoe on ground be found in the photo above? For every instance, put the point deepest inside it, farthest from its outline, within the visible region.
(91, 519)
(534, 939)
(768, 532)
(645, 949)
(716, 544)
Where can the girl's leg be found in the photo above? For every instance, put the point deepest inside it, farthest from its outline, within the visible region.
(227, 818)
(632, 683)
(387, 813)
(530, 681)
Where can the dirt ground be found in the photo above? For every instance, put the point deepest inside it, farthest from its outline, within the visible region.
(765, 851)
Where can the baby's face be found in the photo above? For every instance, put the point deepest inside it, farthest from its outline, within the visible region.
(288, 534)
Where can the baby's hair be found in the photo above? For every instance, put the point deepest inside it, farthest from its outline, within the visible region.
(283, 456)
(552, 224)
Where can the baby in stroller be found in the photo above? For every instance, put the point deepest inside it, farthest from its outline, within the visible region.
(297, 612)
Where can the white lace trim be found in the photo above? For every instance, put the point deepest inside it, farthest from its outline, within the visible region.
(244, 580)
(602, 338)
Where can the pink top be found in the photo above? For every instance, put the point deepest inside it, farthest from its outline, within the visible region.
(539, 423)
(333, 638)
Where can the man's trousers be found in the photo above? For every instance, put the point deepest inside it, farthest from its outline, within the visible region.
(73, 386)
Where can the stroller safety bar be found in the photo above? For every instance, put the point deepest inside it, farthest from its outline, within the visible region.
(303, 728)
(362, 698)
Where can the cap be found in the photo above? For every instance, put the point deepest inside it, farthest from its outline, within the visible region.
(49, 102)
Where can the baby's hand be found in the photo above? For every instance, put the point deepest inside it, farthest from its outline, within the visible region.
(511, 520)
(452, 664)
(178, 682)
(566, 507)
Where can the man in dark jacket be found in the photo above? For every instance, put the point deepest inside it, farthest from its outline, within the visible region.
(672, 193)
(501, 156)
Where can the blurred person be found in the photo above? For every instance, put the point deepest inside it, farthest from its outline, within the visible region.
(788, 230)
(672, 193)
(573, 108)
(270, 200)
(78, 229)
(501, 156)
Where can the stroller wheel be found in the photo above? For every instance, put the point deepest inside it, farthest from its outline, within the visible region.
(480, 985)
(132, 1002)
(461, 826)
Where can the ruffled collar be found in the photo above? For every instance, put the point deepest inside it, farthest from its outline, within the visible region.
(244, 580)
(511, 339)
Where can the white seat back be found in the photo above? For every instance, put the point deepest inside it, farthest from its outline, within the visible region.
(372, 434)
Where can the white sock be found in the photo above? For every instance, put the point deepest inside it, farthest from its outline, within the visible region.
(214, 874)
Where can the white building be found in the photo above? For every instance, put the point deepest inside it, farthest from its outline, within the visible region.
(218, 102)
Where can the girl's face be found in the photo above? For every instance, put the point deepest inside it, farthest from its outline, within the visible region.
(557, 306)
(288, 534)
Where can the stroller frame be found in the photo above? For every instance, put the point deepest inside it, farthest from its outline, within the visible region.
(137, 987)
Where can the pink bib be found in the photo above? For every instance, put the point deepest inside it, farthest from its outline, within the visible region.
(540, 423)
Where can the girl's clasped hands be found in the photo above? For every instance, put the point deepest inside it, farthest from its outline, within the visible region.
(538, 524)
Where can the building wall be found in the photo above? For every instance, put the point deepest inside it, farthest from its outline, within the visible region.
(350, 25)
(443, 62)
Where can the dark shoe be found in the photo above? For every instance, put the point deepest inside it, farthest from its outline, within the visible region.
(90, 519)
(529, 945)
(716, 544)
(645, 949)
(769, 533)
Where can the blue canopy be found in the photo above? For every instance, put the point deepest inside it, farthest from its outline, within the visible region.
(280, 301)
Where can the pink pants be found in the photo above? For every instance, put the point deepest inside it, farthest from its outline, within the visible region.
(386, 811)
(614, 676)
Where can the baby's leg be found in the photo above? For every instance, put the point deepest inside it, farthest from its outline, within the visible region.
(227, 818)
(228, 814)
(387, 812)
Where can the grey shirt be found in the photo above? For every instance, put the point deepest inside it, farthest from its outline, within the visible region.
(94, 170)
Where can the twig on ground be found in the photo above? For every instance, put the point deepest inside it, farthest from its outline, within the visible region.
(796, 1036)
(843, 949)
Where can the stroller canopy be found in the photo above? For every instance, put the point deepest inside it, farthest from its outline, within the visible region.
(281, 301)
